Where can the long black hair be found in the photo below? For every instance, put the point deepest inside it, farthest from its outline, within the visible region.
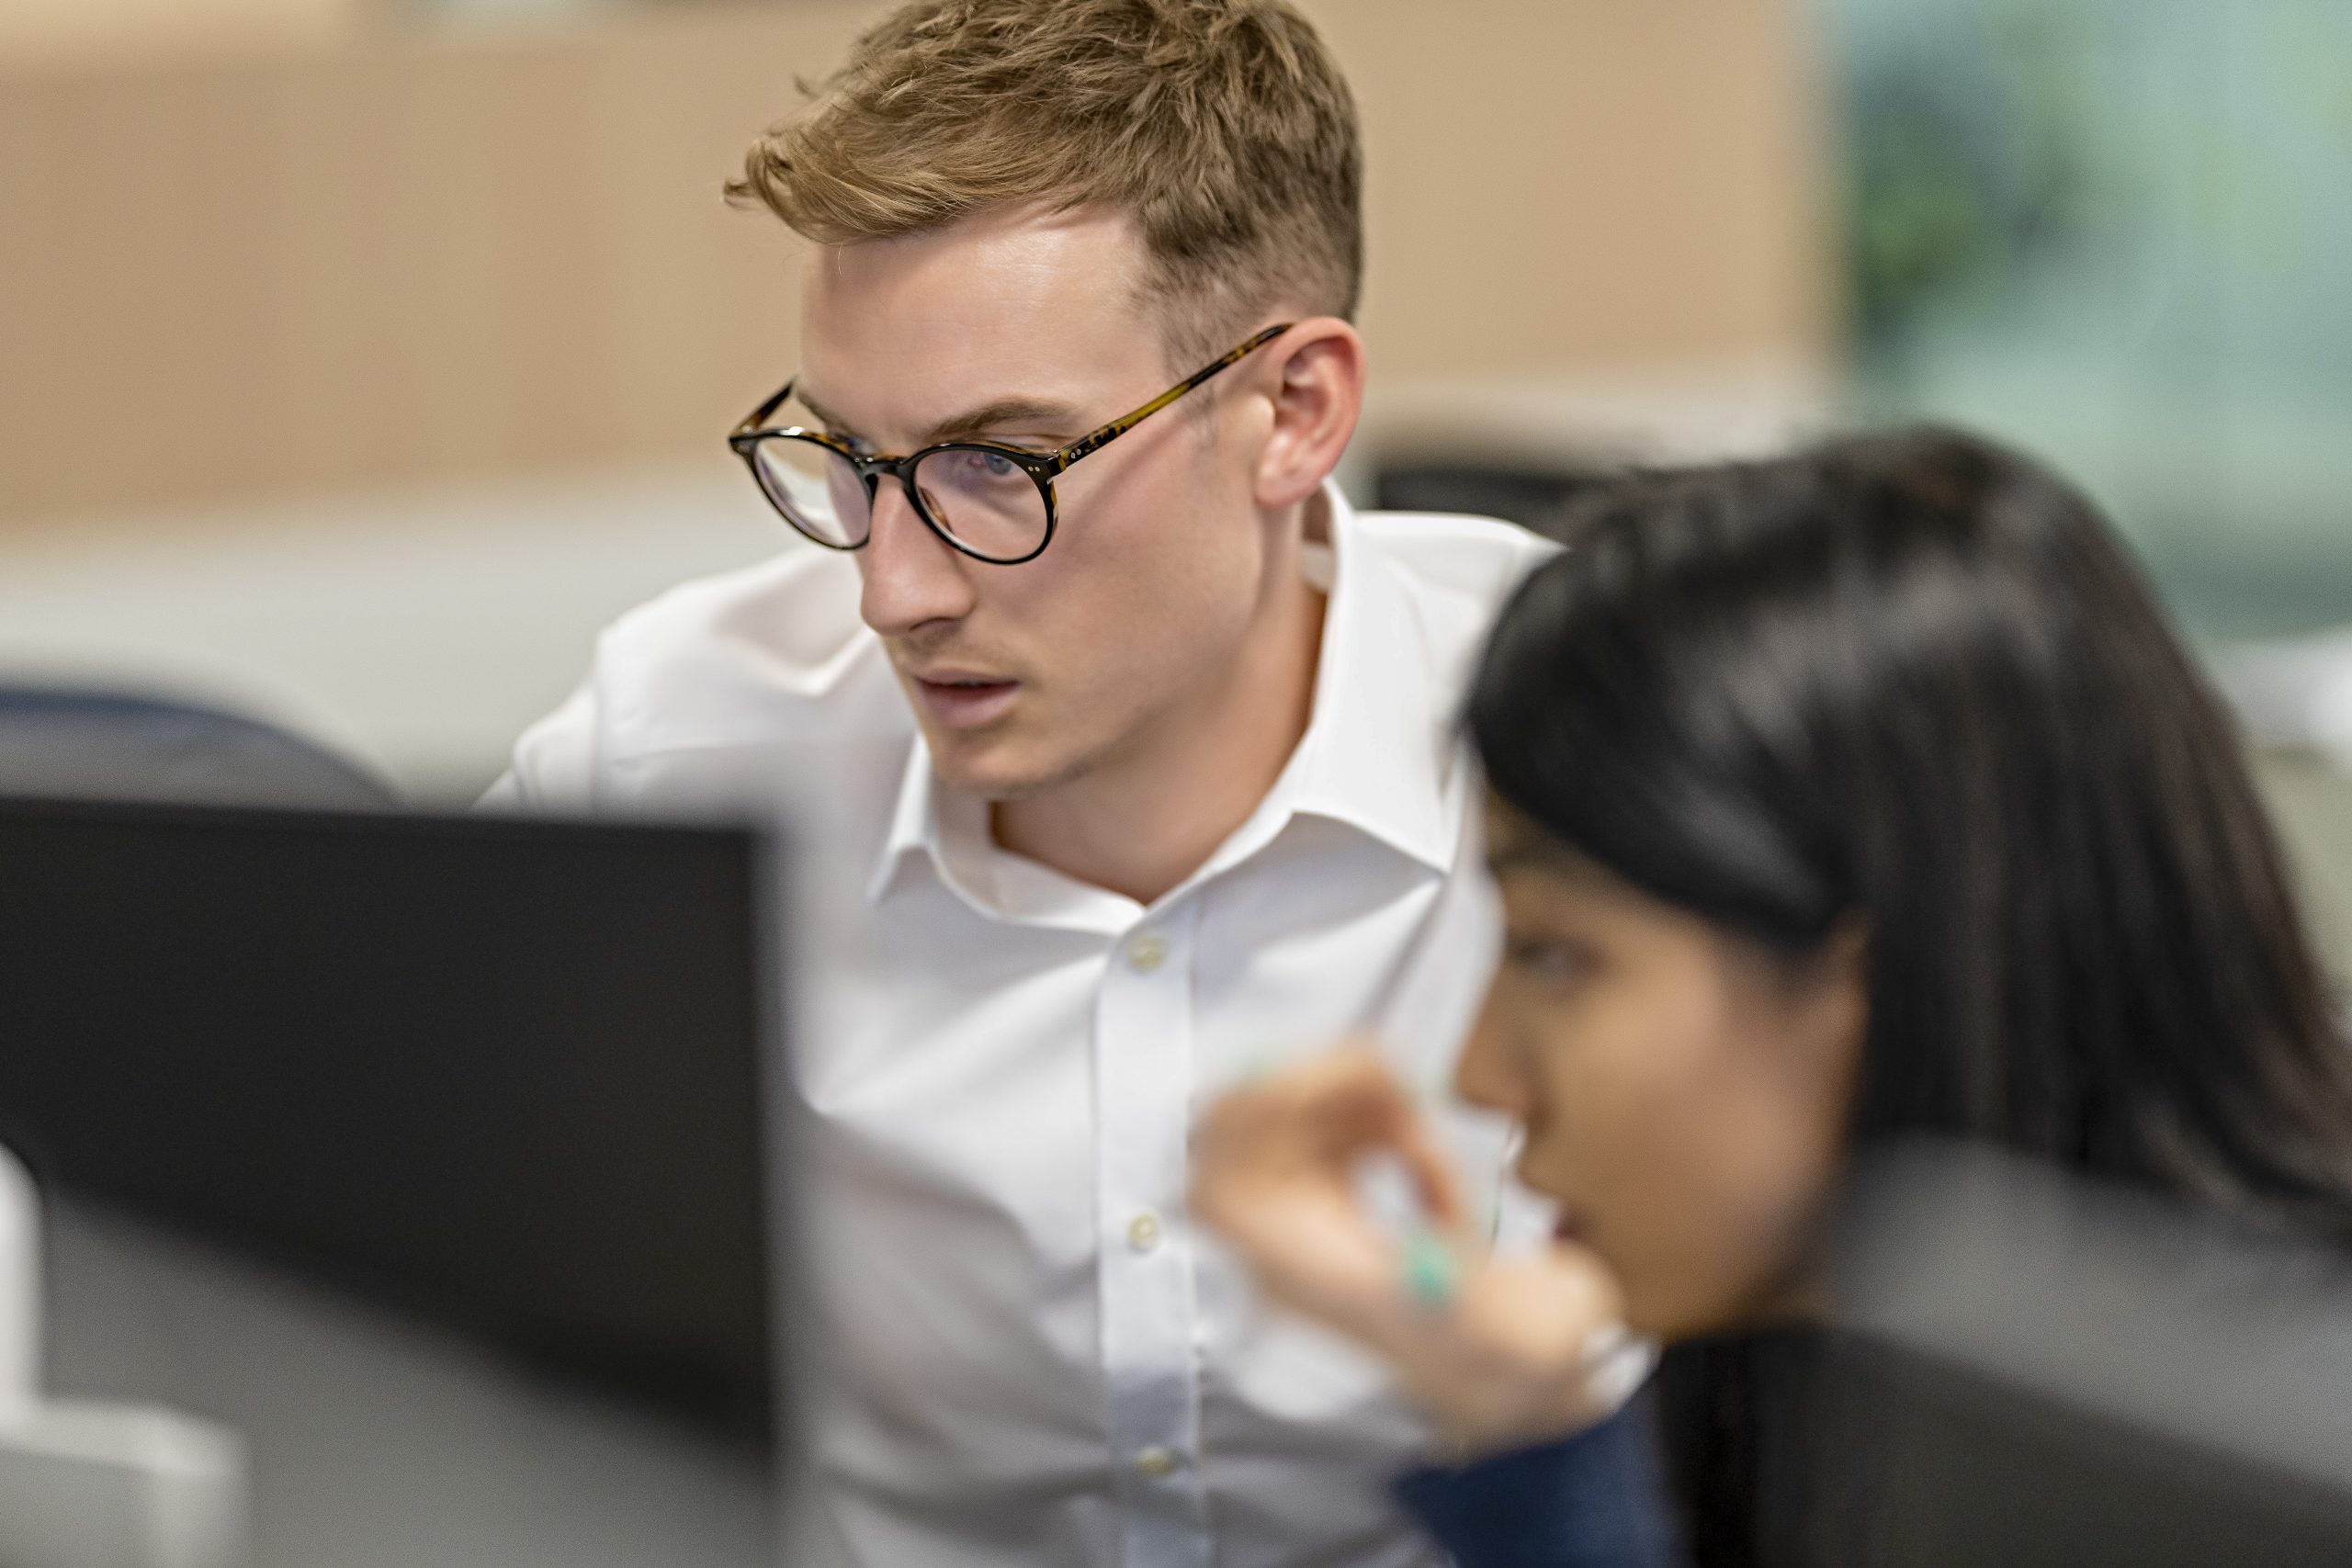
(1911, 681)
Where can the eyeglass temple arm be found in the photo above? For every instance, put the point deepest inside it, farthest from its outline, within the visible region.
(759, 416)
(1095, 440)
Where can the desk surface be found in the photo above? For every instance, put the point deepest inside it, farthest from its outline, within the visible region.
(374, 1444)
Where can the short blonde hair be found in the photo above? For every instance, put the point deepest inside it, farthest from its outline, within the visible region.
(1222, 128)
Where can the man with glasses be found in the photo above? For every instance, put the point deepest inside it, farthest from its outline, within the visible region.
(1122, 758)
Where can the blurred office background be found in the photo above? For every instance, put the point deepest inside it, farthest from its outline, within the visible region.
(359, 358)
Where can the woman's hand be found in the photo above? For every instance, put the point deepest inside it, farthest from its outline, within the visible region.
(1502, 1352)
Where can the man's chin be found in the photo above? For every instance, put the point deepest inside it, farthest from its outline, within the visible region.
(994, 769)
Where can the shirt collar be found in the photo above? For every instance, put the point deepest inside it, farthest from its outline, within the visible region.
(953, 829)
(1376, 755)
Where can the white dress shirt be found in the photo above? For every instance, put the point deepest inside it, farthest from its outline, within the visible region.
(1023, 1353)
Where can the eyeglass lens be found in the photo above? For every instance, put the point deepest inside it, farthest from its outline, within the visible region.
(984, 501)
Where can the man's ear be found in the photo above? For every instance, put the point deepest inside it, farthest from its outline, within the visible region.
(1316, 383)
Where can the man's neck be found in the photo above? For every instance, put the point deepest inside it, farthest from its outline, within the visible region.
(1141, 823)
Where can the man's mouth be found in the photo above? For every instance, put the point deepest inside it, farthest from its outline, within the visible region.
(957, 700)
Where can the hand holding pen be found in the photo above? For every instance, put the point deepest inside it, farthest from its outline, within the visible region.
(1501, 1351)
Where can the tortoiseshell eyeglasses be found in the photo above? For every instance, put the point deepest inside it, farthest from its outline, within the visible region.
(993, 502)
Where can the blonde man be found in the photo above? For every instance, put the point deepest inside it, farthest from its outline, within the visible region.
(1122, 759)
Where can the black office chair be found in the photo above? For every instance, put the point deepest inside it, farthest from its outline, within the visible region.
(85, 744)
(1537, 496)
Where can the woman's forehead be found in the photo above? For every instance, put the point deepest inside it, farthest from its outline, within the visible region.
(1516, 843)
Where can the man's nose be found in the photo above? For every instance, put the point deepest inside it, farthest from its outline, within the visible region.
(912, 577)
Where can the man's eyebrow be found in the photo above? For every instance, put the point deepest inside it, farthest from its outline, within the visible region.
(824, 416)
(1038, 415)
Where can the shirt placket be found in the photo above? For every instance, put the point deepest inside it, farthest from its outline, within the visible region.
(1143, 1070)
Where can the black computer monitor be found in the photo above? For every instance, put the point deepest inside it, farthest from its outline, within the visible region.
(2050, 1372)
(501, 1075)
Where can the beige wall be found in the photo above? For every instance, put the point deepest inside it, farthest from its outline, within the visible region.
(388, 261)
(1587, 184)
(393, 259)
(56, 31)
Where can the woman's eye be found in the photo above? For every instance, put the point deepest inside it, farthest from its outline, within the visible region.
(1547, 959)
(999, 465)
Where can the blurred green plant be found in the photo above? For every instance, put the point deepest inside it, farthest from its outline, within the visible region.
(1968, 160)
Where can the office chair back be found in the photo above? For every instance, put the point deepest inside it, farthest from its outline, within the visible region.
(80, 744)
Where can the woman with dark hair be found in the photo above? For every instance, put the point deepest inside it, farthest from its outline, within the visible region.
(1856, 795)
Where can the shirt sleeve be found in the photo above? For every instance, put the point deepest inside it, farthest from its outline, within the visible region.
(1594, 1500)
(554, 765)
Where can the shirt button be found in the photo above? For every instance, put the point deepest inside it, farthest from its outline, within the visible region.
(1155, 1463)
(1143, 1232)
(1145, 954)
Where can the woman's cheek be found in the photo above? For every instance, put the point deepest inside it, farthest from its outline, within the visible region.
(1683, 1211)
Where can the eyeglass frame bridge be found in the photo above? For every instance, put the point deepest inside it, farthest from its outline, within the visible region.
(1042, 468)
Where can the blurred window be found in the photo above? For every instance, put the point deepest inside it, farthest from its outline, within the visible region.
(2119, 234)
